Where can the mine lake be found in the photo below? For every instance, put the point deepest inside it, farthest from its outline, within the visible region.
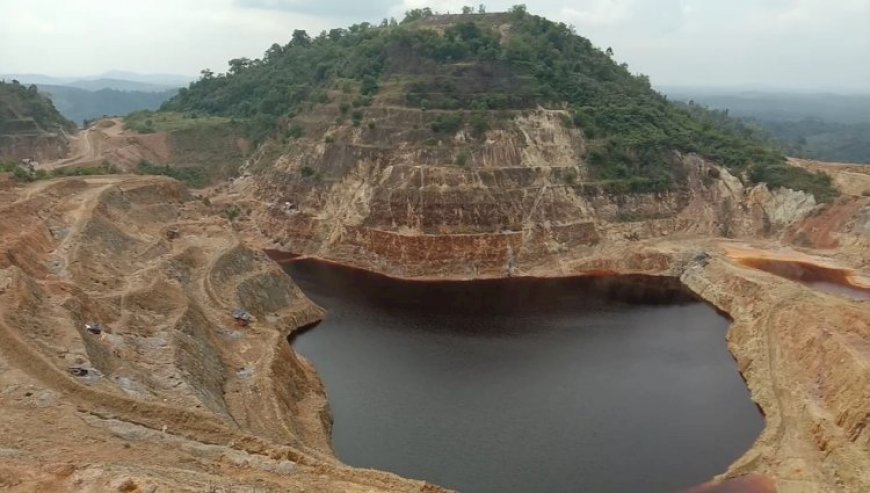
(598, 384)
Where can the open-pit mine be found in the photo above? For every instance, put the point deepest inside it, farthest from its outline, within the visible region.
(464, 252)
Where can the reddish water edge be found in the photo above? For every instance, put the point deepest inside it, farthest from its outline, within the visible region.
(745, 484)
(829, 280)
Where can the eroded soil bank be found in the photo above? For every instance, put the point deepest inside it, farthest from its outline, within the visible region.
(527, 384)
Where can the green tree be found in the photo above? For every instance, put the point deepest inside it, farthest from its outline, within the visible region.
(237, 65)
(300, 38)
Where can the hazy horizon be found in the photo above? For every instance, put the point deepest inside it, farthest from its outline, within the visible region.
(781, 45)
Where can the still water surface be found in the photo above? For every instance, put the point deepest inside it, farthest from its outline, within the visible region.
(527, 385)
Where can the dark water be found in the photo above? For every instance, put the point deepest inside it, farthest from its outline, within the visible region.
(527, 385)
(833, 281)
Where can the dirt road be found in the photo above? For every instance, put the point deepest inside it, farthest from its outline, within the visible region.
(88, 146)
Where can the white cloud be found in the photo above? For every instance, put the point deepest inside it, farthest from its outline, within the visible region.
(599, 12)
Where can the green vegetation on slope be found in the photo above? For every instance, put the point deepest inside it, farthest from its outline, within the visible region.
(476, 62)
(147, 122)
(23, 110)
(825, 141)
(827, 127)
(25, 174)
(205, 148)
(193, 177)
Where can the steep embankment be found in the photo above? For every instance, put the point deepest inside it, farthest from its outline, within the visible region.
(30, 126)
(169, 393)
(389, 205)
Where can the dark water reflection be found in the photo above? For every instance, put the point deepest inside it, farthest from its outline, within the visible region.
(527, 385)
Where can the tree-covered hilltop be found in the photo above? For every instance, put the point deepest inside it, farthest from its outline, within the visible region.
(479, 67)
(23, 110)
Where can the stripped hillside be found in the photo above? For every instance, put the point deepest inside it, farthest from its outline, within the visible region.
(30, 125)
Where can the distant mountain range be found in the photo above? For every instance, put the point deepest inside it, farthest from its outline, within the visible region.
(824, 126)
(779, 105)
(120, 81)
(80, 104)
(110, 94)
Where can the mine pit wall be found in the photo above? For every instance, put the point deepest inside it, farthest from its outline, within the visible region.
(370, 208)
(99, 252)
(799, 353)
(286, 400)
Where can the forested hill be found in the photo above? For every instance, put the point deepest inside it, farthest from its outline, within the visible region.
(23, 110)
(491, 64)
(827, 127)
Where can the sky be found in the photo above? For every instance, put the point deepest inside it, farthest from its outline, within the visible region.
(779, 44)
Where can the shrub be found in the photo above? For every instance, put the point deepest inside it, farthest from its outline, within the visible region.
(479, 123)
(25, 175)
(369, 85)
(190, 176)
(570, 177)
(447, 123)
(357, 117)
(785, 176)
(295, 131)
(463, 159)
(363, 101)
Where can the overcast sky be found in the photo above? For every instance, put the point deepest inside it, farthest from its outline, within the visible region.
(796, 44)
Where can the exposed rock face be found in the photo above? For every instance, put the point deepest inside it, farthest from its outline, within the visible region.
(30, 126)
(379, 198)
(35, 146)
(169, 392)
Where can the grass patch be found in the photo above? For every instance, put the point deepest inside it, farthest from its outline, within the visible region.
(22, 174)
(192, 176)
(146, 122)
